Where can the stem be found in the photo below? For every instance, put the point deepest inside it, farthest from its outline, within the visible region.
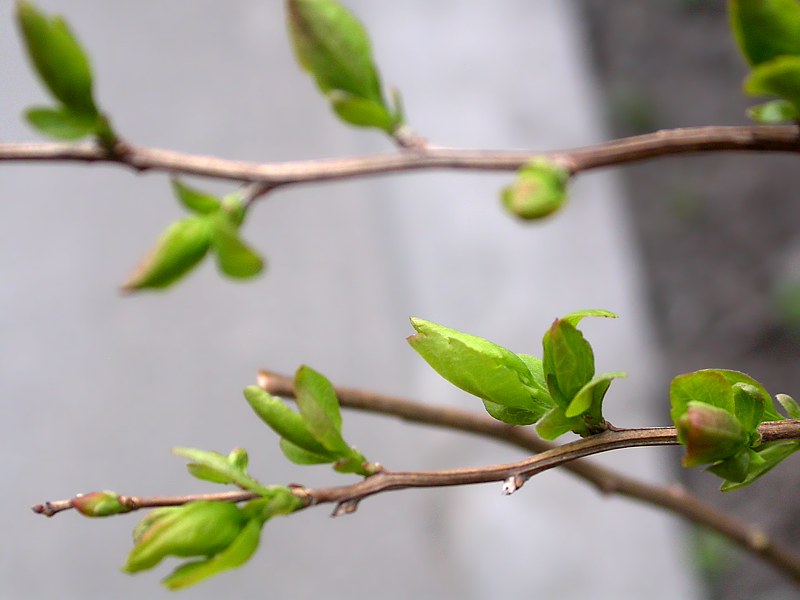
(617, 152)
(672, 498)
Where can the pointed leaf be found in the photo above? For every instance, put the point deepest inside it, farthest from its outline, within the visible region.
(61, 123)
(591, 394)
(182, 246)
(748, 405)
(333, 46)
(194, 199)
(709, 386)
(479, 367)
(734, 377)
(235, 555)
(284, 421)
(765, 29)
(234, 257)
(58, 58)
(576, 317)
(735, 468)
(512, 416)
(319, 408)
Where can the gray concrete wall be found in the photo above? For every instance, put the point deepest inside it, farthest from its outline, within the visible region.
(97, 388)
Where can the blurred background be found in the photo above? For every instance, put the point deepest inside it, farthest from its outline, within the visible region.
(694, 254)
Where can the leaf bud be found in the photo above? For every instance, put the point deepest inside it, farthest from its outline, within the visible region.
(710, 434)
(539, 190)
(99, 504)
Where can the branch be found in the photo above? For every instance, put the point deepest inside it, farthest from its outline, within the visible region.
(673, 498)
(418, 157)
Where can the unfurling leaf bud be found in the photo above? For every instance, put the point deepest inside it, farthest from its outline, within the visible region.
(196, 529)
(710, 434)
(539, 190)
(99, 504)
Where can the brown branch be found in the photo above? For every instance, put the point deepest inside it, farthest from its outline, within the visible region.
(673, 498)
(617, 152)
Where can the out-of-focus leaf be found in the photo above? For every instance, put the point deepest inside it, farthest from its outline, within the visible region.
(539, 190)
(195, 200)
(234, 257)
(213, 464)
(771, 455)
(765, 29)
(777, 77)
(58, 58)
(362, 112)
(182, 246)
(774, 112)
(61, 123)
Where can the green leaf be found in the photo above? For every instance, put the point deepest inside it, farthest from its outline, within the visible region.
(765, 29)
(234, 257)
(182, 246)
(709, 386)
(555, 424)
(331, 44)
(576, 317)
(789, 405)
(219, 467)
(777, 77)
(735, 468)
(734, 377)
(512, 416)
(361, 111)
(235, 555)
(284, 421)
(58, 58)
(61, 123)
(202, 528)
(592, 394)
(748, 405)
(568, 361)
(319, 408)
(301, 456)
(539, 190)
(774, 112)
(195, 200)
(771, 455)
(479, 367)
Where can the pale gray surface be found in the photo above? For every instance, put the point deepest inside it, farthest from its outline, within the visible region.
(96, 388)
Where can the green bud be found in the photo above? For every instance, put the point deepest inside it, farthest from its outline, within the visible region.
(181, 247)
(539, 190)
(238, 458)
(710, 434)
(99, 504)
(202, 528)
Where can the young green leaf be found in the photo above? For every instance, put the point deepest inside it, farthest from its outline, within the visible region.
(182, 246)
(769, 456)
(361, 111)
(201, 528)
(61, 123)
(319, 408)
(778, 77)
(574, 318)
(539, 190)
(285, 422)
(236, 554)
(234, 257)
(331, 44)
(195, 200)
(301, 456)
(591, 395)
(735, 469)
(709, 386)
(480, 367)
(765, 29)
(58, 58)
(213, 466)
(789, 405)
(748, 405)
(555, 423)
(774, 112)
(568, 361)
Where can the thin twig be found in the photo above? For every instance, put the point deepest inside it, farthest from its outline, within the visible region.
(673, 498)
(617, 152)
